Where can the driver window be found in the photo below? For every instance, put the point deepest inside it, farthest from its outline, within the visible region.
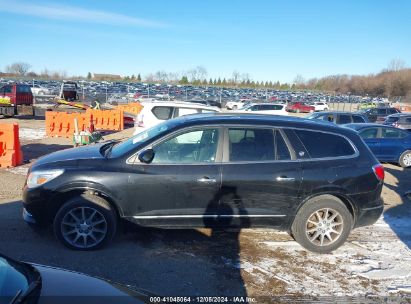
(199, 146)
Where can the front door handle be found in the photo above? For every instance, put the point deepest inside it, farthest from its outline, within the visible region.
(207, 180)
(285, 179)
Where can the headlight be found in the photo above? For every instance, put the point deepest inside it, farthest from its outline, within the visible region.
(37, 178)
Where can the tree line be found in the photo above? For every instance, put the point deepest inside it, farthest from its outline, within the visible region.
(393, 81)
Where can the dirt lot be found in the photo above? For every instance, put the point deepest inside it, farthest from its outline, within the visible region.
(376, 261)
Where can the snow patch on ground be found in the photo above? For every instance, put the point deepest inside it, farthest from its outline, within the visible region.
(376, 261)
(32, 134)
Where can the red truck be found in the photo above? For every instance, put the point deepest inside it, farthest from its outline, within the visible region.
(16, 99)
(300, 107)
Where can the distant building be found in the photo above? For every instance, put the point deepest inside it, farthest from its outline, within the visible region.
(106, 77)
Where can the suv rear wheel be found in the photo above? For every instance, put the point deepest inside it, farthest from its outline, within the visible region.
(322, 224)
(86, 222)
(405, 159)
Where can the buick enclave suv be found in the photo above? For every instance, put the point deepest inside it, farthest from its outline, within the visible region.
(315, 180)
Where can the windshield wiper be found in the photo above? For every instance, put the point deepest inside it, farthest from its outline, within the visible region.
(21, 296)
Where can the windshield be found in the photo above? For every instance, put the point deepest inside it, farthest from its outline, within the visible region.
(12, 279)
(312, 116)
(139, 139)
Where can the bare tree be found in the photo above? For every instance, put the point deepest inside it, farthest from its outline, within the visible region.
(396, 64)
(236, 77)
(19, 68)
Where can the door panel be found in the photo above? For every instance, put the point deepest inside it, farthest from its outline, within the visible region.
(180, 186)
(260, 177)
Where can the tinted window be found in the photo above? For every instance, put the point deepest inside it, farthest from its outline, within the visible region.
(392, 119)
(344, 119)
(23, 89)
(328, 117)
(382, 111)
(369, 133)
(392, 133)
(392, 111)
(257, 145)
(319, 144)
(358, 118)
(7, 89)
(198, 146)
(163, 113)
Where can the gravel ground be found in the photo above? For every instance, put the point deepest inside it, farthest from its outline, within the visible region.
(375, 261)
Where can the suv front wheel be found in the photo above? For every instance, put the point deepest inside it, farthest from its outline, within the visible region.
(85, 222)
(322, 224)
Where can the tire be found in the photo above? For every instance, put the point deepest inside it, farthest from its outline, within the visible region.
(405, 159)
(72, 223)
(309, 236)
(234, 107)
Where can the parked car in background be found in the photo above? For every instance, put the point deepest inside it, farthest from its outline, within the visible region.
(399, 120)
(339, 117)
(264, 108)
(211, 170)
(39, 90)
(388, 144)
(300, 107)
(320, 106)
(32, 283)
(234, 105)
(378, 115)
(158, 111)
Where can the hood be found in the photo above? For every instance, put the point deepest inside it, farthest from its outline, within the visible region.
(64, 285)
(86, 152)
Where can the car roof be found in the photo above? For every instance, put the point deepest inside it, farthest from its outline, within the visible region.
(259, 119)
(338, 112)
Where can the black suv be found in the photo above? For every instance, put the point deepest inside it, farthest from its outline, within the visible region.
(339, 117)
(378, 115)
(313, 179)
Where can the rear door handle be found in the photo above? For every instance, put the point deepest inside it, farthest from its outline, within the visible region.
(207, 180)
(285, 179)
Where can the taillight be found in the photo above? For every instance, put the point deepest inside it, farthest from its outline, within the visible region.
(379, 172)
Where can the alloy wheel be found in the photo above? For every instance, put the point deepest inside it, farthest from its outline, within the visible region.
(407, 159)
(324, 227)
(83, 227)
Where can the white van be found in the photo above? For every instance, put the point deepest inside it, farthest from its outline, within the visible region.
(158, 111)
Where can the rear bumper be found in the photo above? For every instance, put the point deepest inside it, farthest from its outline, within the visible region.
(369, 215)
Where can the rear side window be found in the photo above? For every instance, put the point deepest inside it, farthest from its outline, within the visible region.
(392, 111)
(392, 119)
(320, 145)
(344, 119)
(257, 145)
(392, 133)
(382, 111)
(358, 118)
(23, 89)
(163, 113)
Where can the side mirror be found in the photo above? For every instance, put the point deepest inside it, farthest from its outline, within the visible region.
(146, 156)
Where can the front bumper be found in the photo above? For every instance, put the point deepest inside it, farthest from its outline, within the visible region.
(28, 217)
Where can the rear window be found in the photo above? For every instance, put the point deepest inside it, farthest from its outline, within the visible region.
(382, 111)
(163, 113)
(23, 89)
(184, 111)
(321, 145)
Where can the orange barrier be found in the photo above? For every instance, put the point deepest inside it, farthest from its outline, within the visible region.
(61, 124)
(134, 108)
(107, 119)
(10, 150)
